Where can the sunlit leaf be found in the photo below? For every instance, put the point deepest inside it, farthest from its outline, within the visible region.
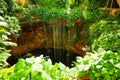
(62, 66)
(9, 43)
(1, 18)
(45, 76)
(3, 24)
(117, 65)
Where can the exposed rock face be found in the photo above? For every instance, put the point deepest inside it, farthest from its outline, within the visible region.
(43, 35)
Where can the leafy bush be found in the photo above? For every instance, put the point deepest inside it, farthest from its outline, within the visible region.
(6, 28)
(48, 15)
(9, 26)
(102, 65)
(39, 68)
(105, 34)
(110, 41)
(9, 7)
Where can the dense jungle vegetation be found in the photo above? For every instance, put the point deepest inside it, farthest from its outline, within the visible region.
(102, 34)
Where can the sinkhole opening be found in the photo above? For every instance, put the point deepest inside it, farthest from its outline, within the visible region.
(56, 56)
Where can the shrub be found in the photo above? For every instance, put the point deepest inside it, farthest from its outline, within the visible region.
(40, 68)
(102, 65)
(105, 34)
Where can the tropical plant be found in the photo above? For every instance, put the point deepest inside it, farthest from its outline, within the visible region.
(9, 26)
(110, 41)
(102, 65)
(105, 34)
(4, 33)
(38, 68)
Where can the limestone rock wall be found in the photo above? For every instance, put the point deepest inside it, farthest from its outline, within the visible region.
(42, 35)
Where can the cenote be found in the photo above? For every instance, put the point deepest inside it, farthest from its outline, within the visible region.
(56, 55)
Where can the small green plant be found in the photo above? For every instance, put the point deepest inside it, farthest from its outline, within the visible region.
(102, 65)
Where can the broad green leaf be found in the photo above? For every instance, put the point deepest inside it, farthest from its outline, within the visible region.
(9, 43)
(45, 76)
(86, 62)
(107, 77)
(108, 65)
(4, 37)
(20, 65)
(2, 23)
(104, 71)
(92, 76)
(97, 75)
(36, 69)
(1, 18)
(4, 56)
(54, 67)
(48, 64)
(86, 67)
(117, 65)
(106, 56)
(99, 66)
(20, 74)
(61, 66)
(81, 74)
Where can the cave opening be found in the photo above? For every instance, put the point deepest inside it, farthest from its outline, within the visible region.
(56, 56)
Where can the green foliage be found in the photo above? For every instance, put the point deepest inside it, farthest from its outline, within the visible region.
(3, 7)
(10, 7)
(88, 10)
(105, 34)
(4, 73)
(61, 3)
(4, 54)
(13, 25)
(38, 69)
(49, 3)
(91, 10)
(102, 65)
(48, 15)
(9, 25)
(3, 37)
(110, 41)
